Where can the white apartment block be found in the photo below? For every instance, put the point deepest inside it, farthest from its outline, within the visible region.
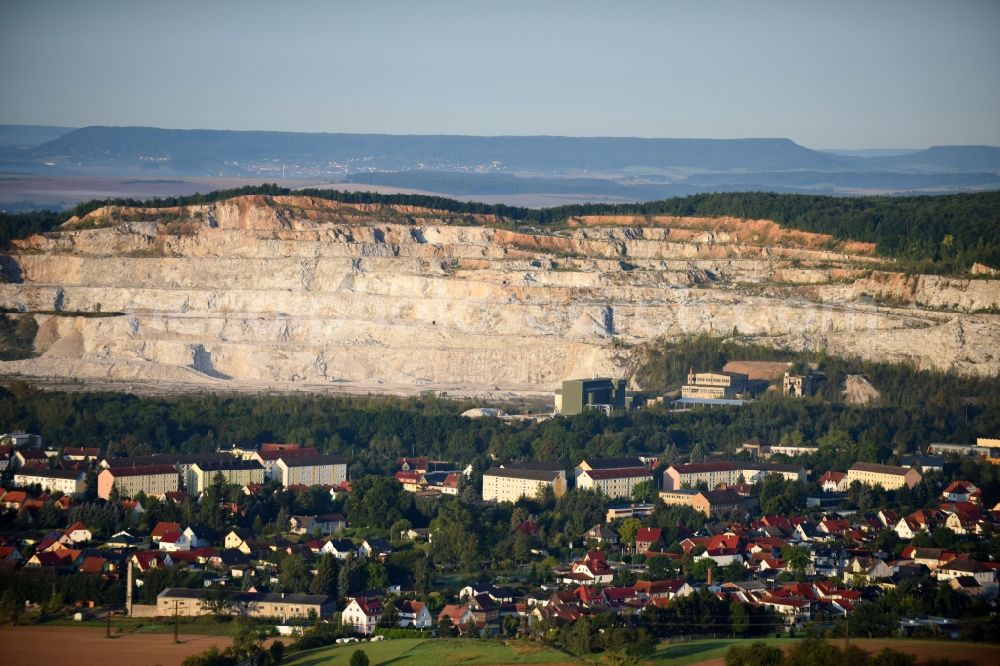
(714, 474)
(69, 482)
(886, 476)
(509, 484)
(615, 477)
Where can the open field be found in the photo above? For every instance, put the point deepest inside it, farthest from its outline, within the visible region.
(712, 652)
(420, 652)
(30, 646)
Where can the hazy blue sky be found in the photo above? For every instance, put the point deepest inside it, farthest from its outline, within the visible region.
(832, 74)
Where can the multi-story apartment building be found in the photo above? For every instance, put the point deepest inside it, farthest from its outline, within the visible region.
(234, 470)
(68, 481)
(615, 477)
(714, 474)
(992, 447)
(326, 470)
(709, 502)
(130, 481)
(270, 454)
(886, 476)
(510, 483)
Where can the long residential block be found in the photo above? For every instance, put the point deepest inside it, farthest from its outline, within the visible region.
(130, 481)
(509, 484)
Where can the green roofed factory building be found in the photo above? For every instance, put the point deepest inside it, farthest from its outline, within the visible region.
(603, 393)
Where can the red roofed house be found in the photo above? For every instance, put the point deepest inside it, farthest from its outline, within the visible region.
(163, 528)
(834, 482)
(960, 491)
(13, 499)
(93, 565)
(593, 569)
(363, 614)
(10, 554)
(59, 559)
(796, 611)
(144, 560)
(646, 537)
(460, 616)
(174, 541)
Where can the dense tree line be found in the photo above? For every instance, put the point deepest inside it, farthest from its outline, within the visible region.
(915, 409)
(818, 652)
(942, 233)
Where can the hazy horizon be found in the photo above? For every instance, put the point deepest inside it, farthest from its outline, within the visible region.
(866, 149)
(853, 75)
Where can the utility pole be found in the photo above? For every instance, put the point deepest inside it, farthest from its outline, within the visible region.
(176, 623)
(108, 633)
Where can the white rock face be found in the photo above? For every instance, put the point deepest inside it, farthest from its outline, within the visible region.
(291, 292)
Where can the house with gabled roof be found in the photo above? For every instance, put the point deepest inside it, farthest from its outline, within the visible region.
(144, 560)
(591, 569)
(362, 614)
(93, 565)
(834, 482)
(666, 589)
(413, 614)
(960, 491)
(13, 499)
(647, 537)
(58, 560)
(600, 533)
(239, 539)
(174, 541)
(376, 548)
(342, 549)
(460, 616)
(78, 533)
(558, 614)
(966, 585)
(327, 523)
(162, 528)
(982, 572)
(866, 570)
(794, 610)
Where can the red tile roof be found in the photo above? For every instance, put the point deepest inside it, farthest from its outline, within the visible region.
(163, 528)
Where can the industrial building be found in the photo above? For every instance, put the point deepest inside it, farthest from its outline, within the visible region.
(576, 395)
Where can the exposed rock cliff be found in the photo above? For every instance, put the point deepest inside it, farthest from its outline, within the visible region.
(259, 291)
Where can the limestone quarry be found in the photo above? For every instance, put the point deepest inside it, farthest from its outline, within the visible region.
(297, 293)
